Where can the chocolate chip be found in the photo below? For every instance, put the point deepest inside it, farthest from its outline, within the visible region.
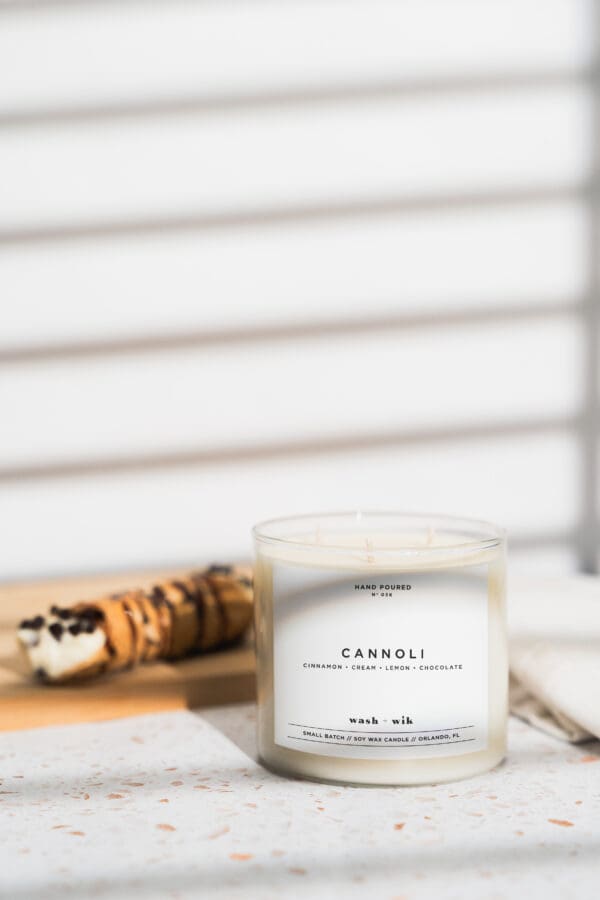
(35, 623)
(88, 625)
(91, 612)
(75, 629)
(56, 630)
(40, 673)
(61, 613)
(219, 570)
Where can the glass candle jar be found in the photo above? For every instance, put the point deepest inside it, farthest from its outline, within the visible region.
(381, 647)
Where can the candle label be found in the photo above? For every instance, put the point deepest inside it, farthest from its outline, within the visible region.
(388, 666)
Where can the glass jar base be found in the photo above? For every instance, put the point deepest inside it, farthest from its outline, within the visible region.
(457, 769)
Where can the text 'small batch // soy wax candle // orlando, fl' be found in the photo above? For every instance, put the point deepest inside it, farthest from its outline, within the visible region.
(381, 647)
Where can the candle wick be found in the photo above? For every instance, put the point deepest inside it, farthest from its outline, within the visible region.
(369, 546)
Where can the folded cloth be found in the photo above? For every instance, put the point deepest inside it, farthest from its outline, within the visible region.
(554, 641)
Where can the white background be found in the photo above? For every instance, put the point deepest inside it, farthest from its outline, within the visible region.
(260, 258)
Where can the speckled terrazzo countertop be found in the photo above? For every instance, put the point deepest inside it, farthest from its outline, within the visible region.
(175, 806)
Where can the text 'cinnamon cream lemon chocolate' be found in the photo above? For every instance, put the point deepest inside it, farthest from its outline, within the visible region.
(203, 611)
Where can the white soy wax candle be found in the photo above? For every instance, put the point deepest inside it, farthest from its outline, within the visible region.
(381, 647)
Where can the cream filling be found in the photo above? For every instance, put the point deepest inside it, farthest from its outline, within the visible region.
(59, 657)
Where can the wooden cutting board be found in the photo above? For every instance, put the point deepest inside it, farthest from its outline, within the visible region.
(226, 676)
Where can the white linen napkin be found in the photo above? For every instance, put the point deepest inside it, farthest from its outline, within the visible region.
(554, 645)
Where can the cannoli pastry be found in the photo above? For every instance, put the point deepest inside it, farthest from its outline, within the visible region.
(203, 611)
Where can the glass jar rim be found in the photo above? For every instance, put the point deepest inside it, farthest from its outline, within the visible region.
(471, 535)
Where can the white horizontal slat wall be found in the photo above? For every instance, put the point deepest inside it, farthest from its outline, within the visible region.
(242, 396)
(195, 514)
(473, 261)
(195, 164)
(260, 257)
(60, 54)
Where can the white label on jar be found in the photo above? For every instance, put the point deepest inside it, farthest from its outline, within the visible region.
(391, 666)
